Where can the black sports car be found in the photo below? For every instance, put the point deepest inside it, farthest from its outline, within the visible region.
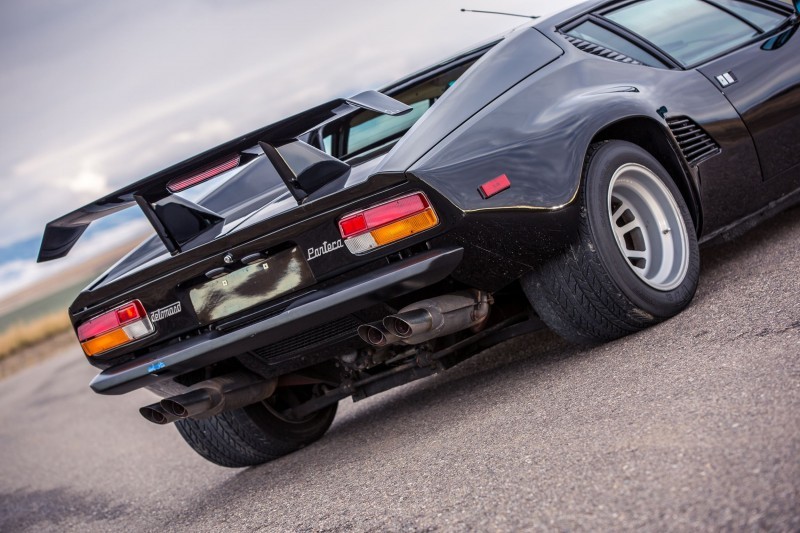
(562, 175)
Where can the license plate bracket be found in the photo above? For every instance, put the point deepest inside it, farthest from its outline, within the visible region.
(277, 275)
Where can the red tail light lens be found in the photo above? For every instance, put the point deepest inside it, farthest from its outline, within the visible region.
(353, 225)
(387, 222)
(132, 311)
(98, 326)
(383, 214)
(115, 328)
(183, 183)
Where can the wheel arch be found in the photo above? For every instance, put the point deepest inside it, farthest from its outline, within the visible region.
(654, 137)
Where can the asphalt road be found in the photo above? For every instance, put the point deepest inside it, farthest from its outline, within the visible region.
(694, 424)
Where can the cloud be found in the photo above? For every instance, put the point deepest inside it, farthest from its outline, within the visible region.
(88, 179)
(18, 274)
(205, 132)
(98, 95)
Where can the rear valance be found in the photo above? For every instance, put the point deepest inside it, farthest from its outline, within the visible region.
(178, 222)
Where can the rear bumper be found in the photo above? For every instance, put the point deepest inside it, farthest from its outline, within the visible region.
(307, 312)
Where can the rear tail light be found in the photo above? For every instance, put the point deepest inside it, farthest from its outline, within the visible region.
(115, 328)
(386, 223)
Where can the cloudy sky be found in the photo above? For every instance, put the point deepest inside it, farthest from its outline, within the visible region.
(95, 94)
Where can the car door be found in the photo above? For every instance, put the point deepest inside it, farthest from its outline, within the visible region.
(762, 81)
(747, 48)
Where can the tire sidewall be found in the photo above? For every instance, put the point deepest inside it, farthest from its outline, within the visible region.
(300, 433)
(601, 167)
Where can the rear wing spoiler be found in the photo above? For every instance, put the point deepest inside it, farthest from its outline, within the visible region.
(180, 223)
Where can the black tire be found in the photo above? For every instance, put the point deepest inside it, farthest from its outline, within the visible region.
(590, 294)
(252, 435)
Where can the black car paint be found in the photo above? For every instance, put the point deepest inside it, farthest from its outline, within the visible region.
(529, 108)
(163, 208)
(517, 57)
(767, 96)
(309, 310)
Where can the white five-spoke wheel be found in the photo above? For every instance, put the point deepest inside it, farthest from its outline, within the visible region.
(648, 227)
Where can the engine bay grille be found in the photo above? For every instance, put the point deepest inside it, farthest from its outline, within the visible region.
(326, 334)
(695, 143)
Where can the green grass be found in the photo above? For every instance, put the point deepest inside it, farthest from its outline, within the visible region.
(59, 301)
(26, 334)
(37, 321)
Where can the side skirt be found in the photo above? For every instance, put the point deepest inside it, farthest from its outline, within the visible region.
(743, 225)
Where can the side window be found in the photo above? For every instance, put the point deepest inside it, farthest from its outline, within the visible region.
(691, 31)
(765, 19)
(593, 33)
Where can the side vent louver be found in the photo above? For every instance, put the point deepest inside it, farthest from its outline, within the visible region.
(695, 143)
(602, 51)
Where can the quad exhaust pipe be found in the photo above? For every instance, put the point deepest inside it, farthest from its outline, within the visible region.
(430, 319)
(377, 335)
(157, 414)
(211, 397)
(414, 324)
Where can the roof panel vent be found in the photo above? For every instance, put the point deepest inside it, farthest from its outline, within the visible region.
(695, 143)
(602, 51)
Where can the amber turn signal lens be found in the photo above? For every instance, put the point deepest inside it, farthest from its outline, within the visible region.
(386, 223)
(405, 228)
(115, 328)
(105, 342)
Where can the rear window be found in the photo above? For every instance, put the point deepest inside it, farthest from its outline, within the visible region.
(691, 31)
(366, 132)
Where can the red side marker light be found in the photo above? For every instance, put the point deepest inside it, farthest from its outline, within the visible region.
(495, 186)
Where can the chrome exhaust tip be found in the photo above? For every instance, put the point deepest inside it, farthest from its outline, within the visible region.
(376, 335)
(157, 414)
(410, 323)
(371, 335)
(174, 408)
(190, 404)
(211, 397)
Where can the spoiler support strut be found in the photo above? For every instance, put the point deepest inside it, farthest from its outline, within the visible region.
(179, 223)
